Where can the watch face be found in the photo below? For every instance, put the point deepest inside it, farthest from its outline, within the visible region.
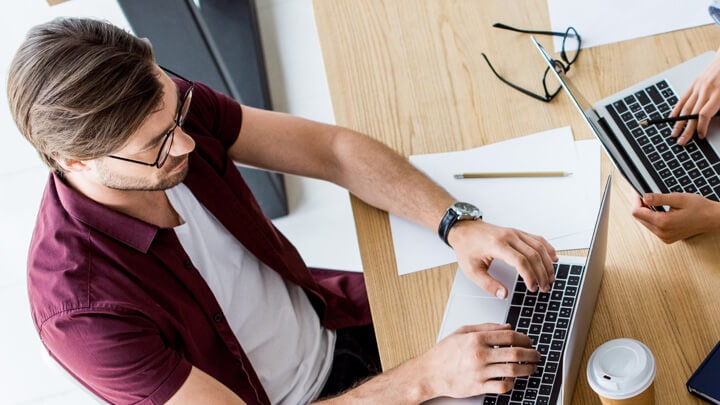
(466, 210)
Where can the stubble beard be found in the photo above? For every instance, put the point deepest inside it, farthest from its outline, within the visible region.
(117, 181)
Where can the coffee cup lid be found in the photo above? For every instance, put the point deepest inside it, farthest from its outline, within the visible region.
(621, 368)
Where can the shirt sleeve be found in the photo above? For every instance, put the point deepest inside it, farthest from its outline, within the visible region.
(121, 357)
(214, 114)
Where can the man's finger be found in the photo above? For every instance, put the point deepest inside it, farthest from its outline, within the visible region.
(479, 275)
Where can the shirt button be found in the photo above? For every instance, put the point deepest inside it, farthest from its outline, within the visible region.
(187, 264)
(218, 317)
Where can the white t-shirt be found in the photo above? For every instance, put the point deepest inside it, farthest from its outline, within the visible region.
(273, 320)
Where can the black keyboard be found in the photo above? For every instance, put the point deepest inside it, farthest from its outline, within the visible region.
(545, 318)
(694, 168)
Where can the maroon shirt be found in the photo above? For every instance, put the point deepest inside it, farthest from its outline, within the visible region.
(118, 302)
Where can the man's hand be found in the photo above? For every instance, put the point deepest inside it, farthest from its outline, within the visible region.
(479, 359)
(703, 98)
(477, 243)
(689, 215)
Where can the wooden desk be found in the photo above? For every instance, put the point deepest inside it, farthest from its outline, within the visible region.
(410, 73)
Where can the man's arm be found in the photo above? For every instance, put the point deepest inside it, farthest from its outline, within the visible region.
(474, 360)
(471, 361)
(200, 388)
(382, 178)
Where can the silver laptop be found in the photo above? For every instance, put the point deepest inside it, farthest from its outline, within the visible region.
(557, 322)
(647, 155)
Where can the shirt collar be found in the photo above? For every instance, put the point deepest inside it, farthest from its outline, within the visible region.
(124, 228)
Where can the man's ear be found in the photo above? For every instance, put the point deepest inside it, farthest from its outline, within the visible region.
(73, 165)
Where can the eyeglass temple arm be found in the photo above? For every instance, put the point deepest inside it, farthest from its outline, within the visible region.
(507, 27)
(514, 86)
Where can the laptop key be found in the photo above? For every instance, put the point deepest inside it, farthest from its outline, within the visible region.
(662, 85)
(562, 272)
(620, 106)
(655, 94)
(707, 150)
(513, 316)
(688, 165)
(642, 97)
(672, 100)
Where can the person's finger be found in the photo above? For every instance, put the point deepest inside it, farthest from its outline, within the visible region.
(509, 370)
(522, 264)
(498, 386)
(647, 224)
(646, 215)
(477, 273)
(673, 200)
(482, 327)
(506, 338)
(681, 103)
(683, 107)
(688, 132)
(546, 263)
(708, 111)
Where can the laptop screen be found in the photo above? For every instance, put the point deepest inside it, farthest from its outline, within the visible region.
(608, 140)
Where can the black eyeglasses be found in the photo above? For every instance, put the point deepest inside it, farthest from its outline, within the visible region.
(568, 54)
(169, 135)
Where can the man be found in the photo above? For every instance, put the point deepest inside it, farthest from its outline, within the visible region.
(153, 275)
(690, 214)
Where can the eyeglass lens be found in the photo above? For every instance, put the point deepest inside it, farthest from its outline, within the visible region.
(168, 141)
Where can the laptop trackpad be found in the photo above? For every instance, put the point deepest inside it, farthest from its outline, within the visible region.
(714, 135)
(471, 310)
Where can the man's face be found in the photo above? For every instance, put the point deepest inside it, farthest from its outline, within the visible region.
(144, 145)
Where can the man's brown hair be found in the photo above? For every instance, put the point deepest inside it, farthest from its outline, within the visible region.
(78, 88)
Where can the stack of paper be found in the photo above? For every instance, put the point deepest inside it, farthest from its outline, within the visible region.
(561, 209)
(608, 21)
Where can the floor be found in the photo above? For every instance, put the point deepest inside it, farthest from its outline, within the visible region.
(320, 221)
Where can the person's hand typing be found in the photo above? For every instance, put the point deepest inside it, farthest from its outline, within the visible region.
(479, 359)
(702, 98)
(477, 243)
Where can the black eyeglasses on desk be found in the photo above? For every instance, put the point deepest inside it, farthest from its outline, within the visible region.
(568, 54)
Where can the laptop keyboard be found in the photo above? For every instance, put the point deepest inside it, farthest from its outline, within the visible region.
(545, 318)
(694, 168)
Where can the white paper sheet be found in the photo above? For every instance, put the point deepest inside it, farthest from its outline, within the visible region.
(608, 21)
(561, 209)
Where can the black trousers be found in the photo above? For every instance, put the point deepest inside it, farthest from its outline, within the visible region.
(356, 359)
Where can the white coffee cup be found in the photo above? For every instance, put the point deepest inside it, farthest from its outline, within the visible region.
(622, 371)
